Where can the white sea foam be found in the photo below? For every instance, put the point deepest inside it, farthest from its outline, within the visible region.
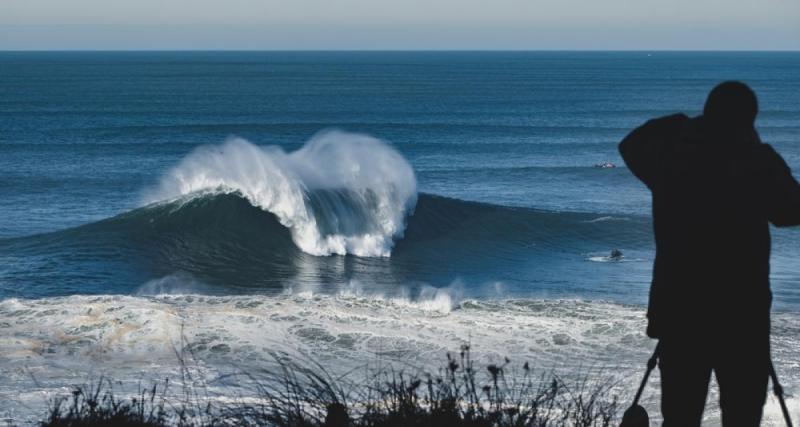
(51, 343)
(605, 258)
(370, 186)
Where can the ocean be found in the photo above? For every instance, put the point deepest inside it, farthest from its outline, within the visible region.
(350, 206)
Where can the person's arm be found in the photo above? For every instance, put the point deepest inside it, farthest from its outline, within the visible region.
(640, 149)
(783, 192)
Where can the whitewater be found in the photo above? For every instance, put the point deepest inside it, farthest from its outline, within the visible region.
(52, 343)
(339, 194)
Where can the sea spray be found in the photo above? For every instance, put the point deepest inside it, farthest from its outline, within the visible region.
(341, 193)
(427, 298)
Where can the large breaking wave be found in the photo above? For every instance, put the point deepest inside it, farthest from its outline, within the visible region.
(237, 217)
(341, 193)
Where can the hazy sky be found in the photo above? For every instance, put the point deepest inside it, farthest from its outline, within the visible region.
(400, 24)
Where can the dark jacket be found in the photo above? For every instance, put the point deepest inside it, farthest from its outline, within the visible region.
(714, 194)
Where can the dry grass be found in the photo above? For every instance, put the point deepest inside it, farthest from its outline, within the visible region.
(303, 393)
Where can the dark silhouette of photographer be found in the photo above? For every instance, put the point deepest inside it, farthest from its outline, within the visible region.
(715, 189)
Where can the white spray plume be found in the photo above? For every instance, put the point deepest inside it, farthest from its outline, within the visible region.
(341, 193)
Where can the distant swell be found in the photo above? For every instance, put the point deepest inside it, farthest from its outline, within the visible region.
(340, 193)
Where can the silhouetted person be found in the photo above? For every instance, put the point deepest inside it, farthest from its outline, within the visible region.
(715, 190)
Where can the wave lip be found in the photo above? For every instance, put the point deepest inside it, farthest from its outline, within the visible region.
(341, 193)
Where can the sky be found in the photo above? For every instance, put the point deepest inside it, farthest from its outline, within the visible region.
(400, 24)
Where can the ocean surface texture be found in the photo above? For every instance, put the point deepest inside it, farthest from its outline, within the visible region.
(355, 207)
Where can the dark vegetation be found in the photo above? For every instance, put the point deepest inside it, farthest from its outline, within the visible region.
(303, 394)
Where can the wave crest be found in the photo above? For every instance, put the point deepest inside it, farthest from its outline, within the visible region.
(341, 193)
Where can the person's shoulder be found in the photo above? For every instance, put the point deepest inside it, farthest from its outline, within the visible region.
(672, 119)
(665, 127)
(766, 156)
(765, 152)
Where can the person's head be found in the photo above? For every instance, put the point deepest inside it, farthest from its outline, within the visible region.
(731, 105)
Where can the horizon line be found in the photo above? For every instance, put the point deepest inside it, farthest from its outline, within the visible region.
(433, 50)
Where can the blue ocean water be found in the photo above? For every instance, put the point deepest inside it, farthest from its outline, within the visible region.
(84, 134)
(458, 182)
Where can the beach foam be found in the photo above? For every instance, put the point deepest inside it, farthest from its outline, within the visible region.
(52, 343)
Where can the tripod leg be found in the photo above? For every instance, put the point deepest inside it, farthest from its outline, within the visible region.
(778, 390)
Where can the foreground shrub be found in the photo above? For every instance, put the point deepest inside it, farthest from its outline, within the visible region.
(302, 393)
(97, 406)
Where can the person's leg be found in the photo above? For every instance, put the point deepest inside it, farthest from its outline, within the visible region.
(685, 373)
(743, 374)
